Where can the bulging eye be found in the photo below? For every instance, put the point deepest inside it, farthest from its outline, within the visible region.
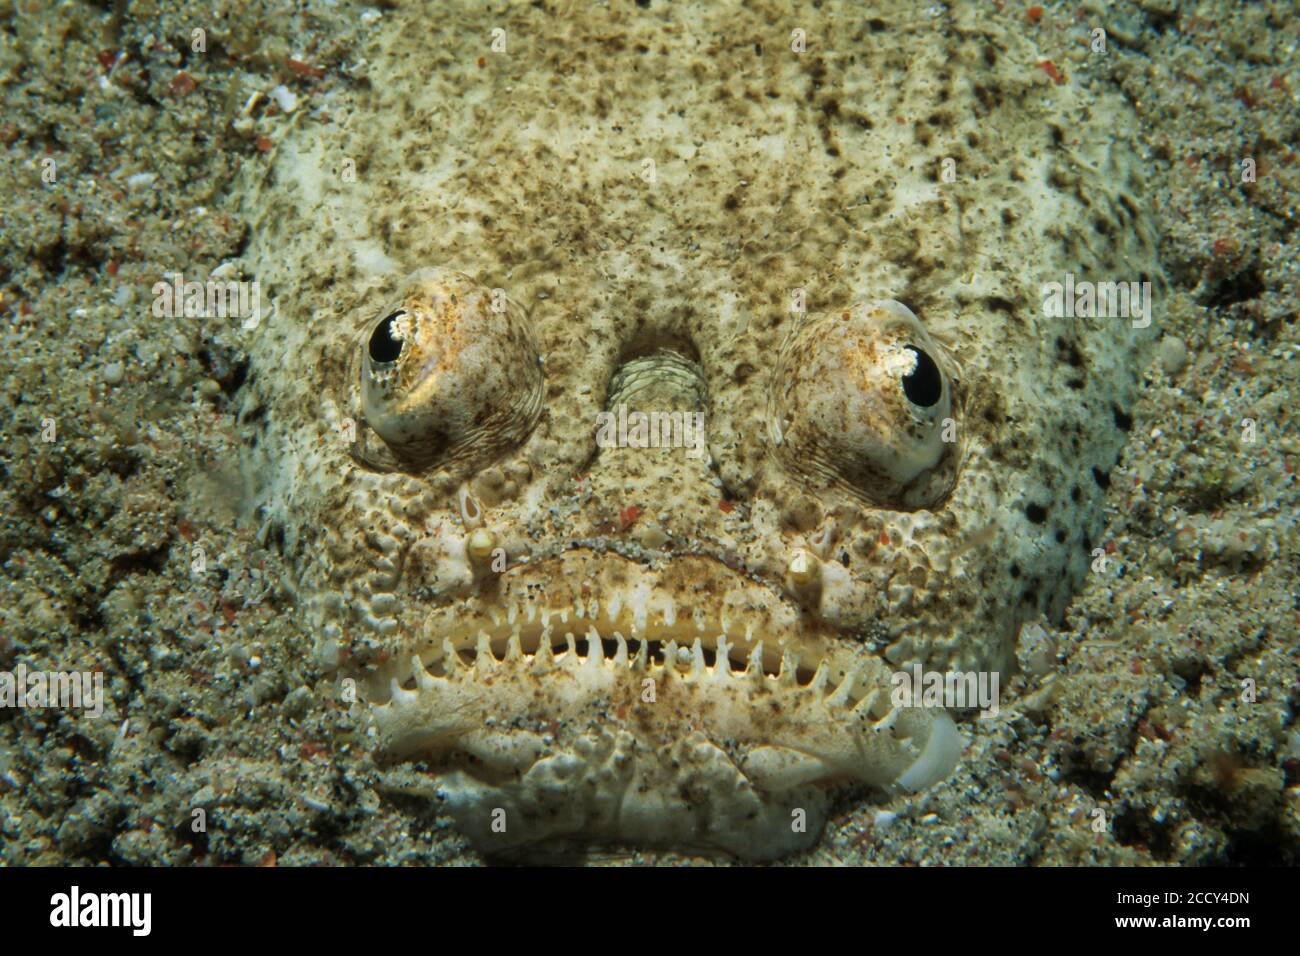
(385, 346)
(446, 375)
(923, 386)
(862, 399)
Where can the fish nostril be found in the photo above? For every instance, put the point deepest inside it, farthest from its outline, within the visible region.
(661, 381)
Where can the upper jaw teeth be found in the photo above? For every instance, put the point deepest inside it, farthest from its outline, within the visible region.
(545, 648)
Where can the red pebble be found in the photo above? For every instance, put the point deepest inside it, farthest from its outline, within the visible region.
(1048, 67)
(302, 69)
(182, 84)
(627, 517)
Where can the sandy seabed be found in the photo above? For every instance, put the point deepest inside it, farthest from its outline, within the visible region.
(1167, 702)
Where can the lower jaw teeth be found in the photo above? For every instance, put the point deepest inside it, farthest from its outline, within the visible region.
(542, 648)
(657, 652)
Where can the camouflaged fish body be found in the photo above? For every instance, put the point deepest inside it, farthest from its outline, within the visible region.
(674, 212)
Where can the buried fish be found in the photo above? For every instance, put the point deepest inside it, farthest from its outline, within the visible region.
(833, 254)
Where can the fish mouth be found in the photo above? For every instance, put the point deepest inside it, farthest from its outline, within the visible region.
(714, 655)
(690, 612)
(692, 620)
(590, 697)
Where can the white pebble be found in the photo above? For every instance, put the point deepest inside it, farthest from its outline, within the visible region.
(329, 654)
(285, 98)
(114, 373)
(1173, 354)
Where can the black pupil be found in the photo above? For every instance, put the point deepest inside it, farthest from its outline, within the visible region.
(924, 386)
(383, 347)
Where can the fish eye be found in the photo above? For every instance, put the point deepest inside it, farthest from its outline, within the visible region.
(863, 400)
(924, 384)
(384, 345)
(446, 376)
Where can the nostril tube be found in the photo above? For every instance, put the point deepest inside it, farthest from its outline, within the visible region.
(804, 570)
(480, 545)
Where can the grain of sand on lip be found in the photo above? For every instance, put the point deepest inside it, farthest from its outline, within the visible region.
(1141, 708)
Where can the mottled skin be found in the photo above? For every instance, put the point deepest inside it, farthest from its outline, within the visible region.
(636, 181)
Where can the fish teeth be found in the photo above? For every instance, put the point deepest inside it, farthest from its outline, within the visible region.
(670, 659)
(423, 679)
(544, 659)
(821, 679)
(399, 696)
(789, 668)
(641, 661)
(688, 660)
(483, 659)
(451, 662)
(722, 668)
(863, 709)
(615, 605)
(842, 694)
(887, 722)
